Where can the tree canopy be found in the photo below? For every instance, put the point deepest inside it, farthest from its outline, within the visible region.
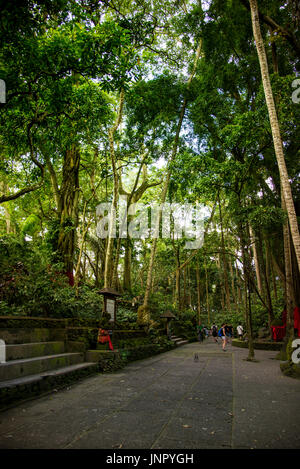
(134, 102)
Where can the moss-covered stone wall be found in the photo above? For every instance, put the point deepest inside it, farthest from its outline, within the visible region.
(276, 346)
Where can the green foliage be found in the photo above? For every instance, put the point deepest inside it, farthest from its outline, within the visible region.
(277, 322)
(126, 315)
(30, 286)
(64, 64)
(111, 364)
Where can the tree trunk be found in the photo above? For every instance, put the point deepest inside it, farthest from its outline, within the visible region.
(177, 302)
(246, 268)
(109, 251)
(289, 293)
(270, 267)
(224, 261)
(143, 311)
(207, 295)
(115, 278)
(198, 294)
(239, 293)
(84, 232)
(267, 295)
(222, 292)
(127, 266)
(284, 178)
(256, 262)
(69, 196)
(233, 286)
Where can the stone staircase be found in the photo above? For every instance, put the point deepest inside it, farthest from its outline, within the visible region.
(178, 341)
(42, 362)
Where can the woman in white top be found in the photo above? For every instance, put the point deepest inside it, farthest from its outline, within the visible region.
(240, 331)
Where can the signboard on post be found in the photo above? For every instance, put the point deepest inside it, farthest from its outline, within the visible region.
(110, 302)
(111, 309)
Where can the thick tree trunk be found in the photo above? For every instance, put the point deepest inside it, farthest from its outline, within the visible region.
(284, 178)
(69, 196)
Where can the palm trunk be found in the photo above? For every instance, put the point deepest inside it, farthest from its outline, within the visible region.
(284, 178)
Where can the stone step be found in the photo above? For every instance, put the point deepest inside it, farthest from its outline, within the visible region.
(30, 366)
(24, 336)
(30, 350)
(178, 340)
(182, 342)
(27, 387)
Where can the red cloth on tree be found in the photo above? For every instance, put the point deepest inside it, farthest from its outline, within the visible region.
(71, 278)
(296, 319)
(103, 336)
(278, 332)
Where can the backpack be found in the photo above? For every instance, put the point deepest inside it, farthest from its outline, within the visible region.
(220, 333)
(214, 329)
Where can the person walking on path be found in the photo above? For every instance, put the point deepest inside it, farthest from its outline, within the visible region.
(229, 333)
(200, 332)
(214, 333)
(222, 333)
(240, 331)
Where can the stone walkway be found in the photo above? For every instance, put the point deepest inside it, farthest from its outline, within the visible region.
(169, 401)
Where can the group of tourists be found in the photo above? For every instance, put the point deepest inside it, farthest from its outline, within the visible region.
(225, 333)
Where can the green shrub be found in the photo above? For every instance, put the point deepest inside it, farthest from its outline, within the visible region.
(30, 286)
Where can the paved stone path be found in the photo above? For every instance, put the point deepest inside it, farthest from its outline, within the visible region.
(169, 401)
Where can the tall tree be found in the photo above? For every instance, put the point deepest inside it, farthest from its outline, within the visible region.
(278, 146)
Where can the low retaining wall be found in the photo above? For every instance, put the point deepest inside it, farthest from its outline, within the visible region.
(28, 329)
(275, 346)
